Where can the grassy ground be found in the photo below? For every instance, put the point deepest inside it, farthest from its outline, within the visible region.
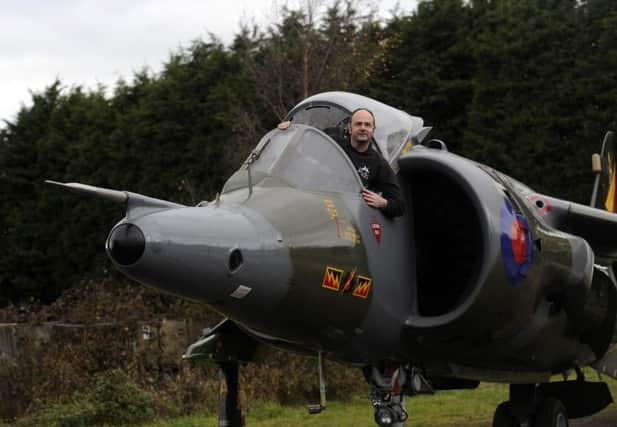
(466, 408)
(445, 409)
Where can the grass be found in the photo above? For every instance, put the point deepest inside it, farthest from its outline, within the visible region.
(445, 409)
(461, 408)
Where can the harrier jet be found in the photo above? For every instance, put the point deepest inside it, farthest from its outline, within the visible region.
(482, 279)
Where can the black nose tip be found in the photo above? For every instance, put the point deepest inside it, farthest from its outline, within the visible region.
(126, 244)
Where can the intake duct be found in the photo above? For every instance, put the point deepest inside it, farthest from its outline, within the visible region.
(479, 244)
(492, 276)
(449, 234)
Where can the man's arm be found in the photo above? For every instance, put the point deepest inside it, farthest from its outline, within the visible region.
(390, 191)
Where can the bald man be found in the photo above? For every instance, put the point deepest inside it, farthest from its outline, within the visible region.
(380, 188)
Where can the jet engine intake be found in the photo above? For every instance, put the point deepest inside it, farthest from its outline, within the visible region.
(483, 257)
(450, 230)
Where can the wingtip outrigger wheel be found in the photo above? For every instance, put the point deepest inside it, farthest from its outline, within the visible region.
(316, 409)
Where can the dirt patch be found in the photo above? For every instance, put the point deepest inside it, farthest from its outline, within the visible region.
(606, 418)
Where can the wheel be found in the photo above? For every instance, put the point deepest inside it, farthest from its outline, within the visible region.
(551, 413)
(416, 382)
(503, 416)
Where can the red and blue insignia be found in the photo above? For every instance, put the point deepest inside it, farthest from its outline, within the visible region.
(516, 244)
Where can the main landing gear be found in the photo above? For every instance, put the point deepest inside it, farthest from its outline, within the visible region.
(550, 413)
(389, 383)
(387, 394)
(551, 404)
(528, 408)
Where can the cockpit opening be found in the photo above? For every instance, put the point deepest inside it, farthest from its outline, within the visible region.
(306, 155)
(330, 112)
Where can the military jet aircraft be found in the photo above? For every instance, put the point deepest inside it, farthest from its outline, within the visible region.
(482, 279)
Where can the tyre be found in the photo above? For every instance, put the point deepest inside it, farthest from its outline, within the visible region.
(551, 413)
(503, 416)
(416, 383)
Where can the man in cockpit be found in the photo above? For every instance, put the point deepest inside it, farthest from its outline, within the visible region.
(380, 188)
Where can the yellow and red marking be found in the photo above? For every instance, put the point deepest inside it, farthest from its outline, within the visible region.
(332, 278)
(363, 287)
(348, 281)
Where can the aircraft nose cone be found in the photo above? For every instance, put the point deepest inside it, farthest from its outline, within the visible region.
(126, 244)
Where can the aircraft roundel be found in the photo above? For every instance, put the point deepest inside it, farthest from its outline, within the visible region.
(516, 244)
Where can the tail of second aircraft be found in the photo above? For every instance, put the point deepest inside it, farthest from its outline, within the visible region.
(604, 194)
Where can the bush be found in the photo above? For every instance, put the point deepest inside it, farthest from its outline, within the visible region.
(118, 400)
(77, 413)
(115, 400)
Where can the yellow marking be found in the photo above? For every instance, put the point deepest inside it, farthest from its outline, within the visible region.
(351, 234)
(331, 208)
(332, 278)
(609, 203)
(363, 287)
(407, 147)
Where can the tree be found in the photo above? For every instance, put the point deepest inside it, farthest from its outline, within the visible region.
(307, 53)
(521, 118)
(429, 67)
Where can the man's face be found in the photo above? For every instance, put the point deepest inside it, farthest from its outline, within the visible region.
(361, 127)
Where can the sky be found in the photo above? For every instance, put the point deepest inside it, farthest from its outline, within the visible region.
(88, 42)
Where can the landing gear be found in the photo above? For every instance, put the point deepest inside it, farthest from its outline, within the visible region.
(503, 416)
(230, 411)
(551, 413)
(550, 404)
(387, 395)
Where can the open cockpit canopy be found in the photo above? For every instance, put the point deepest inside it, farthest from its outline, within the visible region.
(328, 110)
(306, 156)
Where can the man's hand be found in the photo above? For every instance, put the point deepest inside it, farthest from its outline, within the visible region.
(374, 199)
(284, 125)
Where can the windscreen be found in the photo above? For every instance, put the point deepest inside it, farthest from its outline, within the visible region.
(315, 162)
(301, 156)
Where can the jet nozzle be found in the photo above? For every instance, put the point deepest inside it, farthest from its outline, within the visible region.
(126, 244)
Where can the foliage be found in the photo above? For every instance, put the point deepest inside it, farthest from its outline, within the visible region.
(305, 53)
(115, 400)
(430, 67)
(169, 137)
(79, 365)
